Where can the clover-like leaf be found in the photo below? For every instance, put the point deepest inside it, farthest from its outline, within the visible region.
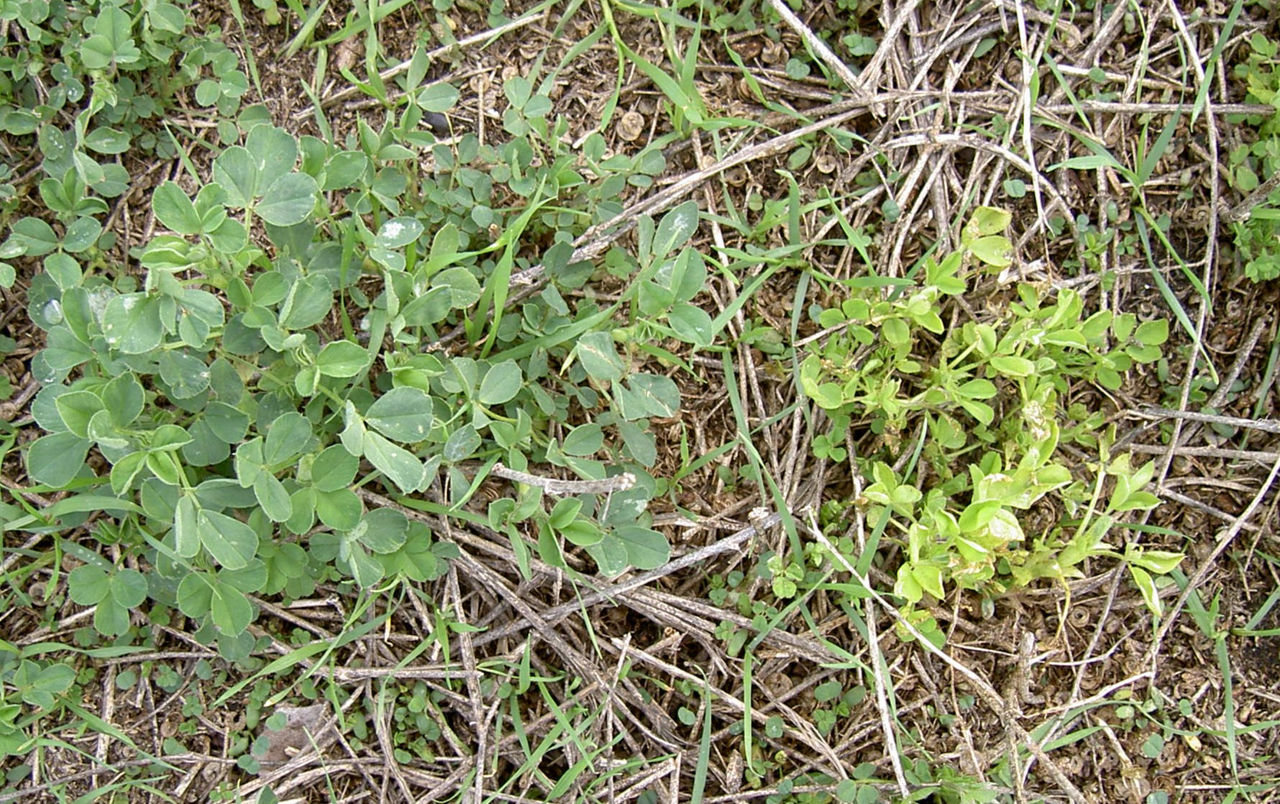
(231, 542)
(288, 200)
(397, 463)
(88, 585)
(236, 174)
(274, 152)
(174, 209)
(342, 359)
(501, 383)
(54, 460)
(384, 530)
(131, 323)
(398, 232)
(599, 357)
(675, 229)
(229, 609)
(403, 414)
(334, 469)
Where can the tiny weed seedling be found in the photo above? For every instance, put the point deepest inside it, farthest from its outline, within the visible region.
(978, 427)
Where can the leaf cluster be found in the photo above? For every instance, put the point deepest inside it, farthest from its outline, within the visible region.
(222, 414)
(977, 407)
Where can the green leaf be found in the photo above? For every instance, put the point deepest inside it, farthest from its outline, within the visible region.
(675, 229)
(398, 233)
(273, 497)
(929, 578)
(228, 424)
(640, 444)
(186, 376)
(656, 395)
(167, 17)
(990, 221)
(582, 533)
(64, 270)
(207, 92)
(366, 570)
(128, 588)
(517, 89)
(501, 383)
(344, 169)
(464, 289)
(334, 469)
(55, 460)
(599, 358)
(289, 199)
(403, 414)
(907, 586)
(110, 42)
(231, 542)
(36, 237)
(339, 509)
(1161, 562)
(287, 437)
(1152, 333)
(76, 408)
(50, 681)
(462, 444)
(610, 555)
(174, 209)
(397, 463)
(186, 527)
(1147, 586)
(125, 471)
(311, 302)
(88, 585)
(110, 619)
(131, 323)
(1011, 366)
(564, 512)
(229, 609)
(692, 324)
(274, 152)
(123, 398)
(438, 97)
(646, 548)
(583, 441)
(107, 141)
(342, 359)
(195, 594)
(352, 435)
(385, 530)
(235, 173)
(995, 250)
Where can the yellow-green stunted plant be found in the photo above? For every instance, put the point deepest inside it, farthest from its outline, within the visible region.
(957, 428)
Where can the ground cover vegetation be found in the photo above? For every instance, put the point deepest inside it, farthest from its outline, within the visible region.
(603, 400)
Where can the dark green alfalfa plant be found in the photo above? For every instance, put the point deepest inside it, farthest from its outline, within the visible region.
(966, 441)
(221, 416)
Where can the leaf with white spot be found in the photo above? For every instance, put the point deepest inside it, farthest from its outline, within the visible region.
(398, 233)
(131, 323)
(402, 414)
